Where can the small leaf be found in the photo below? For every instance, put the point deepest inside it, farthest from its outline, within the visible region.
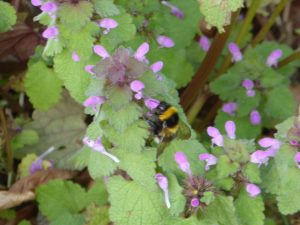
(69, 219)
(176, 197)
(26, 137)
(42, 86)
(251, 172)
(119, 96)
(106, 8)
(226, 168)
(7, 15)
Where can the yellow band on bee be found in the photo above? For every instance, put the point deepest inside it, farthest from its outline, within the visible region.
(168, 113)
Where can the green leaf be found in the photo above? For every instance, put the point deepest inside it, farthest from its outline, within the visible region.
(54, 204)
(225, 167)
(42, 86)
(221, 210)
(180, 72)
(275, 110)
(53, 47)
(7, 15)
(72, 73)
(132, 139)
(251, 172)
(69, 219)
(125, 31)
(119, 96)
(26, 137)
(218, 13)
(62, 127)
(24, 222)
(246, 104)
(121, 119)
(80, 12)
(281, 178)
(100, 165)
(132, 204)
(23, 168)
(97, 193)
(176, 197)
(208, 197)
(191, 148)
(140, 167)
(97, 215)
(106, 8)
(249, 210)
(43, 18)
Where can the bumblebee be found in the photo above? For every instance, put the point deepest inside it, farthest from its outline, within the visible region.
(165, 123)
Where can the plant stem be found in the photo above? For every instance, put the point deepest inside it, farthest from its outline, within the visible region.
(290, 58)
(242, 33)
(285, 220)
(195, 108)
(207, 66)
(263, 32)
(9, 152)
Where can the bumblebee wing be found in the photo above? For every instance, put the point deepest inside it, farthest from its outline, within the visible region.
(184, 132)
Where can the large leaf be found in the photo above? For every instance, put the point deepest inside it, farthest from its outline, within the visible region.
(7, 15)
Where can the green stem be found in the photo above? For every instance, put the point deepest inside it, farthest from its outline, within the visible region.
(207, 66)
(195, 108)
(294, 56)
(263, 32)
(242, 33)
(285, 220)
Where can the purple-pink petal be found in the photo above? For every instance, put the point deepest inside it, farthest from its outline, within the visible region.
(248, 84)
(195, 202)
(36, 166)
(75, 57)
(36, 2)
(294, 142)
(137, 85)
(250, 93)
(209, 159)
(165, 41)
(260, 157)
(138, 95)
(49, 7)
(273, 58)
(269, 142)
(229, 108)
(183, 162)
(93, 101)
(151, 103)
(108, 23)
(157, 66)
(142, 50)
(101, 51)
(163, 184)
(177, 12)
(252, 189)
(88, 68)
(230, 129)
(204, 43)
(255, 117)
(50, 32)
(235, 52)
(213, 132)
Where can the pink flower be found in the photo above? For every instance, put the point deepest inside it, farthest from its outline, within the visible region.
(101, 51)
(157, 66)
(140, 53)
(75, 57)
(195, 202)
(165, 42)
(163, 184)
(36, 2)
(183, 163)
(174, 10)
(255, 118)
(217, 138)
(294, 142)
(137, 85)
(209, 159)
(252, 189)
(297, 159)
(271, 143)
(108, 24)
(248, 84)
(204, 43)
(50, 32)
(229, 108)
(230, 129)
(250, 93)
(138, 95)
(273, 58)
(37, 164)
(260, 157)
(235, 52)
(97, 146)
(88, 68)
(49, 7)
(151, 103)
(94, 102)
